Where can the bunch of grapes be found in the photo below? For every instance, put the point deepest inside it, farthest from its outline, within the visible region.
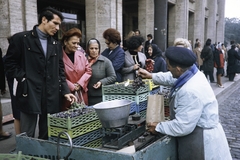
(137, 83)
(73, 113)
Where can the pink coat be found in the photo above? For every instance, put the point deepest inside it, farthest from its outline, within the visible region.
(79, 72)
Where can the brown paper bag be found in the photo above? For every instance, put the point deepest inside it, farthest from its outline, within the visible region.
(155, 109)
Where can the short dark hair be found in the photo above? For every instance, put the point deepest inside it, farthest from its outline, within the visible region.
(134, 42)
(48, 12)
(70, 33)
(150, 35)
(112, 35)
(232, 42)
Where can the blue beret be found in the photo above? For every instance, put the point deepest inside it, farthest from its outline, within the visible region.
(181, 55)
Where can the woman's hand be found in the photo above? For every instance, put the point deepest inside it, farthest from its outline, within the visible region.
(97, 85)
(136, 66)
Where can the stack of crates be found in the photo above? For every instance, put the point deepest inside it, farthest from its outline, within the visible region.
(139, 97)
(84, 129)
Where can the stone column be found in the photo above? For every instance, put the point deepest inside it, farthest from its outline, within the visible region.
(211, 21)
(178, 21)
(199, 20)
(160, 23)
(146, 17)
(101, 15)
(30, 14)
(221, 19)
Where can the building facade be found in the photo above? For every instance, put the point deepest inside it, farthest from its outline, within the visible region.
(164, 19)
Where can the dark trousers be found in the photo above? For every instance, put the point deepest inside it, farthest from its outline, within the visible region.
(210, 74)
(28, 124)
(29, 121)
(231, 76)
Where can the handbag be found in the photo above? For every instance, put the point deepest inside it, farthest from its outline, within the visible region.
(155, 109)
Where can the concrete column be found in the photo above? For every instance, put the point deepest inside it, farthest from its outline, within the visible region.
(160, 23)
(146, 17)
(199, 20)
(221, 23)
(101, 15)
(211, 21)
(30, 14)
(178, 21)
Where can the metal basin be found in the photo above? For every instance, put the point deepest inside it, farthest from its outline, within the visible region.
(113, 113)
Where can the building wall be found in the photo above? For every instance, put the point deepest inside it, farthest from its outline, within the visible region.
(206, 20)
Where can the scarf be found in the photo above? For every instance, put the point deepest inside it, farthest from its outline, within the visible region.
(184, 78)
(92, 60)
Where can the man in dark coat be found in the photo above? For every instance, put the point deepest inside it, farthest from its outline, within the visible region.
(233, 62)
(207, 57)
(34, 59)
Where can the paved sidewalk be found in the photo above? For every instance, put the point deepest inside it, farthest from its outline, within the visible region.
(8, 145)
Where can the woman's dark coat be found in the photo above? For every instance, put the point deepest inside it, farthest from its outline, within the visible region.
(45, 77)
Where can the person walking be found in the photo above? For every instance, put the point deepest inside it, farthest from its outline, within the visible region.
(34, 58)
(194, 117)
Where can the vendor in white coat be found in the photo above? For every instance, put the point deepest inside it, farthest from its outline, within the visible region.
(193, 109)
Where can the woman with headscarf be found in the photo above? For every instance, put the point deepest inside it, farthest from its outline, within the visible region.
(102, 72)
(134, 58)
(77, 69)
(154, 53)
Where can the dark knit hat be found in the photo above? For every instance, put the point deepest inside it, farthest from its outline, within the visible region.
(181, 55)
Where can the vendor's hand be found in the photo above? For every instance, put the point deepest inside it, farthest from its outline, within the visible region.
(144, 74)
(151, 127)
(71, 98)
(97, 85)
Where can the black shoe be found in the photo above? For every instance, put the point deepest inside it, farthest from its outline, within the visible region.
(213, 82)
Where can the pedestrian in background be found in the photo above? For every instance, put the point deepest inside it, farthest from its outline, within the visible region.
(34, 58)
(233, 65)
(77, 68)
(148, 42)
(102, 72)
(208, 62)
(197, 50)
(130, 34)
(219, 64)
(3, 134)
(114, 52)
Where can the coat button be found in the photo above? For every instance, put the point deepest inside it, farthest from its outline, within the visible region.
(28, 48)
